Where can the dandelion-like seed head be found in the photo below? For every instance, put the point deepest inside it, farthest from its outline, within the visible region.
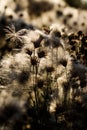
(13, 36)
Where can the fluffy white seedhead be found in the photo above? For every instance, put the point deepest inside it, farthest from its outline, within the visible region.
(21, 61)
(6, 62)
(18, 61)
(58, 27)
(33, 35)
(29, 47)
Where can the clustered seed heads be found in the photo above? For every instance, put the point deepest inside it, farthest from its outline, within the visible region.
(43, 72)
(43, 67)
(45, 50)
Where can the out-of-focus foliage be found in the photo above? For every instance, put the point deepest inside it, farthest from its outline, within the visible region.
(77, 3)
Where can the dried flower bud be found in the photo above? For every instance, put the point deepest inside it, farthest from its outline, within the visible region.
(41, 52)
(34, 60)
(28, 51)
